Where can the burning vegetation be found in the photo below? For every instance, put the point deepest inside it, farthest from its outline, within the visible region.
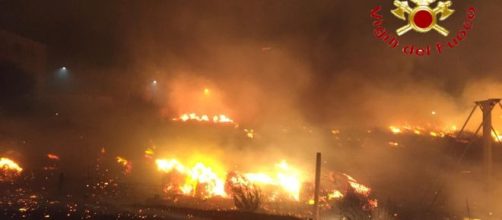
(9, 169)
(205, 181)
(217, 119)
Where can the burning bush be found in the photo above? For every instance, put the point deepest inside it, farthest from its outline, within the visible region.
(354, 205)
(9, 169)
(356, 202)
(199, 180)
(246, 195)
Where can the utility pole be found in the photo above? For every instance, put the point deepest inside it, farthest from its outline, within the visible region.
(317, 186)
(486, 107)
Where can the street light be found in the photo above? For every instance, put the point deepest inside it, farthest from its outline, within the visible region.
(62, 72)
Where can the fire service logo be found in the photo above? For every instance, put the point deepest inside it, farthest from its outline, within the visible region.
(422, 16)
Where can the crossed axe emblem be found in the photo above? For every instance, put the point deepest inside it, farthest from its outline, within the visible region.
(422, 18)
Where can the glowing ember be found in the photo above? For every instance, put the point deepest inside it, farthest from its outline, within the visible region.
(53, 156)
(393, 144)
(9, 169)
(249, 133)
(126, 165)
(220, 119)
(373, 203)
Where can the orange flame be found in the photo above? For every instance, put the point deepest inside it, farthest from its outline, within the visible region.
(418, 130)
(199, 179)
(284, 176)
(53, 156)
(127, 165)
(358, 187)
(335, 195)
(220, 119)
(204, 178)
(9, 169)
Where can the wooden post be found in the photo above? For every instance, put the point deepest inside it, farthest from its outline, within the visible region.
(317, 186)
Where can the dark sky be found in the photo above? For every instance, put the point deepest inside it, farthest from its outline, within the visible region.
(323, 49)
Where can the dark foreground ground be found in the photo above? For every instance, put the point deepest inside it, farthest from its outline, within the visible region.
(22, 202)
(62, 211)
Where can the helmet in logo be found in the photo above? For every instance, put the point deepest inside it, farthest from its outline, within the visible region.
(422, 18)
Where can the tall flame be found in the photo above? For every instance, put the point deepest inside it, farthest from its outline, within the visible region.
(203, 179)
(285, 177)
(199, 179)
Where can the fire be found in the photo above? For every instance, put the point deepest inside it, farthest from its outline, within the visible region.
(287, 178)
(8, 164)
(9, 169)
(432, 131)
(205, 179)
(200, 179)
(219, 119)
(335, 195)
(358, 187)
(393, 144)
(419, 130)
(249, 133)
(395, 129)
(53, 156)
(127, 165)
(149, 153)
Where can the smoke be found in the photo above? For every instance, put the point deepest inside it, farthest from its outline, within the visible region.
(292, 70)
